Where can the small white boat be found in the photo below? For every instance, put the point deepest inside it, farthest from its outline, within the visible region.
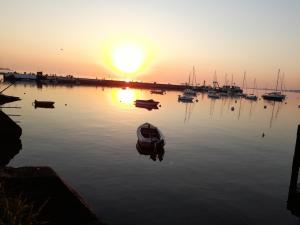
(213, 94)
(185, 98)
(159, 92)
(150, 136)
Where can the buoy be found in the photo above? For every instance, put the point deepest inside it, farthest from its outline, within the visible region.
(232, 108)
(159, 105)
(65, 104)
(265, 107)
(263, 135)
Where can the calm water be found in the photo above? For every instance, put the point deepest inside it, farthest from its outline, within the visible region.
(217, 167)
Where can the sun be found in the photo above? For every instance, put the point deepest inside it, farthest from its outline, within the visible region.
(128, 57)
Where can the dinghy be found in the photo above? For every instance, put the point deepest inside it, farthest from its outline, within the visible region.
(150, 136)
(43, 104)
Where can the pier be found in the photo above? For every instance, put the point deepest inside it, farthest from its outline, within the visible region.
(71, 80)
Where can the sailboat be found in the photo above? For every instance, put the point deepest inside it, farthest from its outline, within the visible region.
(189, 90)
(277, 95)
(252, 96)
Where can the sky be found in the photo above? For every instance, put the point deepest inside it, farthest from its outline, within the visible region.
(229, 37)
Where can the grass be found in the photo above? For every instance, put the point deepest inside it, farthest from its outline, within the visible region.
(17, 210)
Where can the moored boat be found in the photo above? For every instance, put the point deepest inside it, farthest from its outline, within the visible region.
(251, 97)
(149, 102)
(43, 104)
(160, 92)
(150, 136)
(274, 96)
(185, 98)
(189, 91)
(213, 94)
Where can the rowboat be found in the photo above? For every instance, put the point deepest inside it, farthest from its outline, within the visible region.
(150, 136)
(147, 104)
(43, 104)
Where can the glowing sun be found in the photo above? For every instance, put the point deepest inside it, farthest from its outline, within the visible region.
(128, 57)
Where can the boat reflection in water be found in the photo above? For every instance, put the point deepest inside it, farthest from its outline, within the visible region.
(154, 153)
(10, 142)
(148, 107)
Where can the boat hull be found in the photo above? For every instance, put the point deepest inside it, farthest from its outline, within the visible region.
(43, 104)
(150, 142)
(273, 98)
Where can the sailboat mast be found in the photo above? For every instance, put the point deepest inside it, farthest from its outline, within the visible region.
(282, 79)
(253, 88)
(244, 79)
(277, 79)
(194, 76)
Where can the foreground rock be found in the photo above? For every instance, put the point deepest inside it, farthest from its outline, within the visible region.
(43, 187)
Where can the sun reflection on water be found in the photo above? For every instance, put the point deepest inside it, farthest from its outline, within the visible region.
(125, 96)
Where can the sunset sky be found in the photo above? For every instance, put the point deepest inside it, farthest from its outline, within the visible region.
(91, 38)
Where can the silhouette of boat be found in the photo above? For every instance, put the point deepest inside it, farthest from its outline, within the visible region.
(43, 104)
(213, 94)
(185, 98)
(276, 95)
(147, 104)
(160, 92)
(251, 97)
(150, 136)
